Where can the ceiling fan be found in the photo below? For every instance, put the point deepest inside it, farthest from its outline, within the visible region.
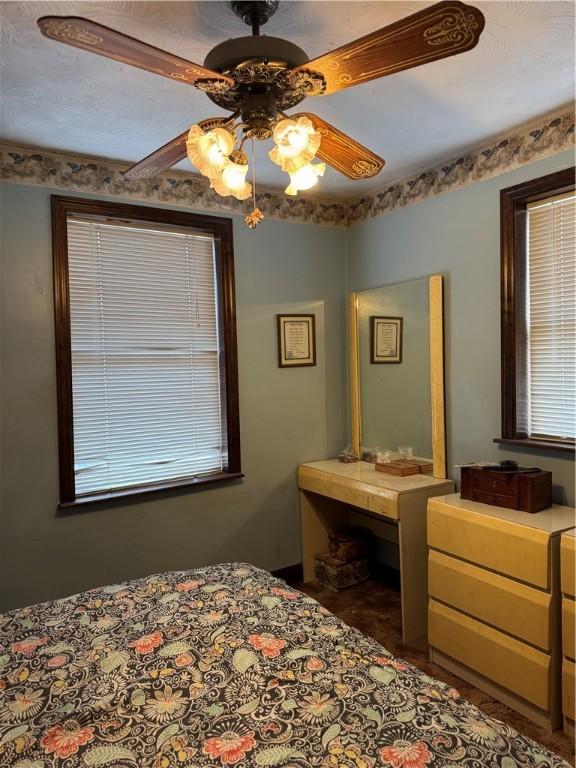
(258, 77)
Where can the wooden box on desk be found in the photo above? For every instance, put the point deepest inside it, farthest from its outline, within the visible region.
(526, 491)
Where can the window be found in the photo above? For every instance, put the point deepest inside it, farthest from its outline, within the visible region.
(146, 349)
(538, 221)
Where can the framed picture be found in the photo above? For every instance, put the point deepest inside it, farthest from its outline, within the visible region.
(385, 339)
(296, 340)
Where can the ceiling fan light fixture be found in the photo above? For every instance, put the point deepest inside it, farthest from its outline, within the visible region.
(209, 150)
(258, 78)
(305, 178)
(296, 143)
(232, 180)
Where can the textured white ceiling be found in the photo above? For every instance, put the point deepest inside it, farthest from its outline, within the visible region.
(55, 96)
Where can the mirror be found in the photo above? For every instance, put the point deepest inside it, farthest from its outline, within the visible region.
(396, 369)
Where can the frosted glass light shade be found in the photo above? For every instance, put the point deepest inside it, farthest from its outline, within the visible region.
(209, 151)
(305, 178)
(234, 174)
(296, 143)
(222, 189)
(232, 180)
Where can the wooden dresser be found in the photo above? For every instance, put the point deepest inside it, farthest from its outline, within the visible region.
(494, 608)
(330, 490)
(567, 580)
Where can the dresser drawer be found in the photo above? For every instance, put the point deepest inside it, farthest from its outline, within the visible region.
(508, 605)
(514, 550)
(568, 628)
(512, 664)
(568, 564)
(333, 486)
(568, 686)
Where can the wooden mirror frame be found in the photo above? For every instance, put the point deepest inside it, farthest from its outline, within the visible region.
(436, 331)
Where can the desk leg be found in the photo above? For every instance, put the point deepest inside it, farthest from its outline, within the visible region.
(414, 578)
(318, 516)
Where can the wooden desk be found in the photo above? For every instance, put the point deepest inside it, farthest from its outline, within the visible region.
(330, 489)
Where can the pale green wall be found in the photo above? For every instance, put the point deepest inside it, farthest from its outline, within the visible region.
(458, 235)
(287, 416)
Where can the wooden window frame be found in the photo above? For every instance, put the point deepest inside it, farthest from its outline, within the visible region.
(221, 229)
(513, 206)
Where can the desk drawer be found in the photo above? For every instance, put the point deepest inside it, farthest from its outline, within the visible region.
(384, 505)
(568, 628)
(513, 607)
(518, 667)
(514, 550)
(568, 565)
(568, 686)
(334, 487)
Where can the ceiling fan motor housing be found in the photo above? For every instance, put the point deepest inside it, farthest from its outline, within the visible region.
(255, 49)
(259, 115)
(266, 77)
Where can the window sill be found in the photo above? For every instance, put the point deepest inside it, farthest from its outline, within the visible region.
(130, 493)
(528, 442)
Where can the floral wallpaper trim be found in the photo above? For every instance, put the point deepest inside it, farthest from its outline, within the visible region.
(529, 143)
(533, 141)
(45, 168)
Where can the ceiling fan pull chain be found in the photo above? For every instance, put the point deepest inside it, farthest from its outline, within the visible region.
(253, 173)
(256, 216)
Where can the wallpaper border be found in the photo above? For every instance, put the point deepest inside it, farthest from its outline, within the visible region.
(533, 141)
(74, 173)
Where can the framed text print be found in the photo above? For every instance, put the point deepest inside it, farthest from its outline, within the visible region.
(296, 340)
(385, 339)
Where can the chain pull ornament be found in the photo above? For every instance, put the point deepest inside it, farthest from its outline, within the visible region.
(256, 216)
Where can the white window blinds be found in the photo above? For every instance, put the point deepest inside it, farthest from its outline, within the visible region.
(551, 317)
(145, 355)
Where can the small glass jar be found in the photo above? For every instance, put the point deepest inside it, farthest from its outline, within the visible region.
(383, 455)
(405, 451)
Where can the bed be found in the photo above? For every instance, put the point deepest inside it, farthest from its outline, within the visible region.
(226, 666)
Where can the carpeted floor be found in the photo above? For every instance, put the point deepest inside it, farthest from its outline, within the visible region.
(374, 609)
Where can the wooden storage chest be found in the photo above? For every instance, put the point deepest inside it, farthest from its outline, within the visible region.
(526, 490)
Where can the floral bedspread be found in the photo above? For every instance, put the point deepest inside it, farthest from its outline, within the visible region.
(222, 666)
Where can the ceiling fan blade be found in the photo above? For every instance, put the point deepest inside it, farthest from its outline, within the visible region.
(86, 34)
(169, 154)
(342, 152)
(160, 160)
(444, 29)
